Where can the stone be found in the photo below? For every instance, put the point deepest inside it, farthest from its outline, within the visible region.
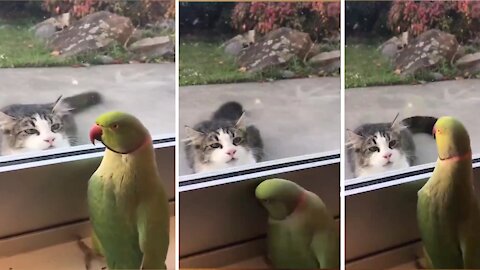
(45, 31)
(287, 74)
(427, 51)
(91, 33)
(326, 62)
(469, 63)
(105, 59)
(153, 47)
(276, 48)
(393, 46)
(236, 44)
(50, 26)
(437, 76)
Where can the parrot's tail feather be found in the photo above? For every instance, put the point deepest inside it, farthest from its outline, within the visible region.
(420, 124)
(229, 111)
(82, 101)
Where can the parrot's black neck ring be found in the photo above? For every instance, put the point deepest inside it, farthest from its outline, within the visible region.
(148, 139)
(457, 158)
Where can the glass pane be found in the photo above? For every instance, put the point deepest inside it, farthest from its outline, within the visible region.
(286, 102)
(398, 64)
(51, 50)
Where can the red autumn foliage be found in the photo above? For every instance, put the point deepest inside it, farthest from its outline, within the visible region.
(460, 18)
(319, 19)
(141, 11)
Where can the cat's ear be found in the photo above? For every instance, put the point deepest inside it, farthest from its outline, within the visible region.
(241, 123)
(193, 136)
(60, 107)
(353, 139)
(6, 122)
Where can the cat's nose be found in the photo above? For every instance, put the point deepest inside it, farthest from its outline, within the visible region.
(231, 152)
(387, 156)
(49, 140)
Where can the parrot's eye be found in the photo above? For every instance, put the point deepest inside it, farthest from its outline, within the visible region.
(392, 144)
(215, 145)
(55, 127)
(115, 126)
(374, 149)
(237, 140)
(267, 201)
(31, 131)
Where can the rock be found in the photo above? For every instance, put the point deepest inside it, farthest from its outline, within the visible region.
(276, 48)
(287, 74)
(326, 62)
(426, 51)
(236, 44)
(153, 47)
(469, 63)
(137, 35)
(48, 27)
(437, 76)
(45, 31)
(393, 46)
(93, 32)
(105, 59)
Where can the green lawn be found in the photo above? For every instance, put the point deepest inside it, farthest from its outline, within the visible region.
(19, 48)
(365, 66)
(203, 62)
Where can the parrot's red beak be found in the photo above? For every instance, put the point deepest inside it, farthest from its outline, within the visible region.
(96, 133)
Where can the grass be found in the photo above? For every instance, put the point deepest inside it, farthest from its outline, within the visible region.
(203, 62)
(365, 66)
(19, 48)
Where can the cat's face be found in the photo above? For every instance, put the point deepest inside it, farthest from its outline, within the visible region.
(380, 150)
(39, 131)
(221, 148)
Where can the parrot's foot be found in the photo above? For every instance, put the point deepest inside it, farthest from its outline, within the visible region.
(88, 253)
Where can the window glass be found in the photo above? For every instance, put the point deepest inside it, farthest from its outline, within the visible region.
(255, 91)
(50, 50)
(411, 70)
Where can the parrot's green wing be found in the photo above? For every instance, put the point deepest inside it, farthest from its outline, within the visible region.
(96, 246)
(153, 231)
(470, 239)
(326, 249)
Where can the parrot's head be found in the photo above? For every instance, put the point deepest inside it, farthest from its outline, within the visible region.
(280, 197)
(120, 132)
(452, 138)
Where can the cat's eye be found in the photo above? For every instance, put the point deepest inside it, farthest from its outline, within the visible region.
(215, 145)
(374, 149)
(31, 131)
(55, 127)
(392, 144)
(237, 140)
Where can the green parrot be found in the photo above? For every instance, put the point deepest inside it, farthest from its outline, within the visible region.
(448, 212)
(301, 232)
(127, 202)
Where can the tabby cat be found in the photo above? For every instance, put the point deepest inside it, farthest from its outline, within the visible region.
(34, 127)
(224, 141)
(381, 147)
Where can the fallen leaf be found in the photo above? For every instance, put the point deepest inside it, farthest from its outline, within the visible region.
(55, 53)
(242, 69)
(30, 45)
(398, 71)
(459, 78)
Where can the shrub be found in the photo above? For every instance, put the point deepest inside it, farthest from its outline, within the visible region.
(460, 18)
(319, 19)
(140, 12)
